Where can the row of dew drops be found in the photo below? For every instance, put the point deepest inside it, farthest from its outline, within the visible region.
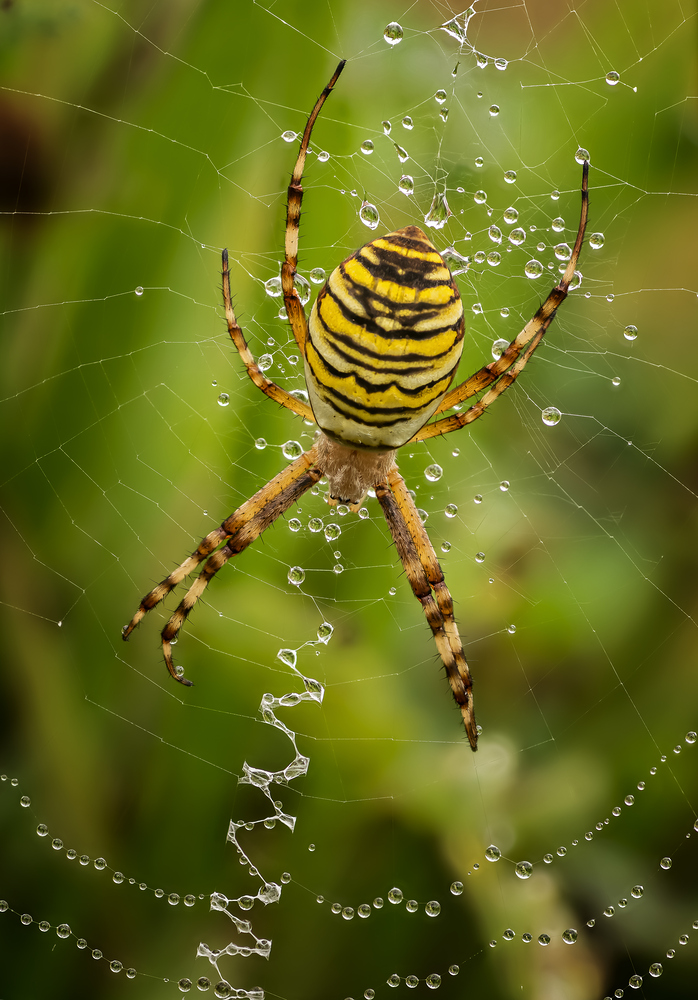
(524, 870)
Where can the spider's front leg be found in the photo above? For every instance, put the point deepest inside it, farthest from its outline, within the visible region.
(429, 587)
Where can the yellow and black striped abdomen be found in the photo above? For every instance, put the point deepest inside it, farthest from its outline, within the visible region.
(384, 341)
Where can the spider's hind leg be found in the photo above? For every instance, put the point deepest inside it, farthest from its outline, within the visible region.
(429, 587)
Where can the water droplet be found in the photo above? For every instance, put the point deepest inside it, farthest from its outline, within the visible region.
(524, 869)
(510, 176)
(387, 128)
(479, 161)
(445, 547)
(492, 853)
(544, 939)
(369, 215)
(439, 212)
(100, 864)
(367, 147)
(406, 184)
(433, 473)
(433, 981)
(324, 632)
(551, 416)
(264, 362)
(494, 110)
(615, 381)
(510, 216)
(432, 908)
(455, 262)
(665, 863)
(517, 236)
(480, 558)
(332, 531)
(456, 888)
(63, 931)
(411, 905)
(453, 970)
(563, 251)
(273, 288)
(407, 123)
(569, 936)
(477, 498)
(393, 33)
(450, 510)
(533, 268)
(691, 737)
(411, 982)
(656, 969)
(296, 575)
(609, 911)
(561, 852)
(440, 96)
(612, 78)
(581, 155)
(395, 895)
(291, 449)
(480, 197)
(139, 290)
(348, 912)
(317, 275)
(596, 241)
(443, 114)
(294, 524)
(504, 485)
(548, 858)
(630, 332)
(635, 982)
(323, 156)
(393, 980)
(117, 877)
(498, 348)
(494, 259)
(223, 399)
(495, 234)
(364, 910)
(377, 903)
(289, 136)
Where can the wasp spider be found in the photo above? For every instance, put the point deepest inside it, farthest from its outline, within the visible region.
(381, 349)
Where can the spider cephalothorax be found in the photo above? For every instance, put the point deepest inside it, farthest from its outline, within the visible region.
(381, 350)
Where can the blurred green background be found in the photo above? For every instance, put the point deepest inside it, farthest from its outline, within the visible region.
(136, 142)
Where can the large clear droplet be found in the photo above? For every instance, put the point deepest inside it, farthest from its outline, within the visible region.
(581, 155)
(533, 269)
(596, 241)
(369, 215)
(551, 416)
(439, 213)
(524, 869)
(612, 78)
(406, 184)
(393, 33)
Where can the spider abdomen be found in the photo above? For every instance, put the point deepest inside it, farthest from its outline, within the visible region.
(384, 341)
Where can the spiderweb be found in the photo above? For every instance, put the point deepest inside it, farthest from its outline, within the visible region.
(308, 820)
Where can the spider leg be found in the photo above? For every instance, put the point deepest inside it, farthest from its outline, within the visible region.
(293, 304)
(429, 587)
(268, 387)
(237, 531)
(512, 360)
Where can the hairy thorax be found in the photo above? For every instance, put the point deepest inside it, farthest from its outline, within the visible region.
(351, 472)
